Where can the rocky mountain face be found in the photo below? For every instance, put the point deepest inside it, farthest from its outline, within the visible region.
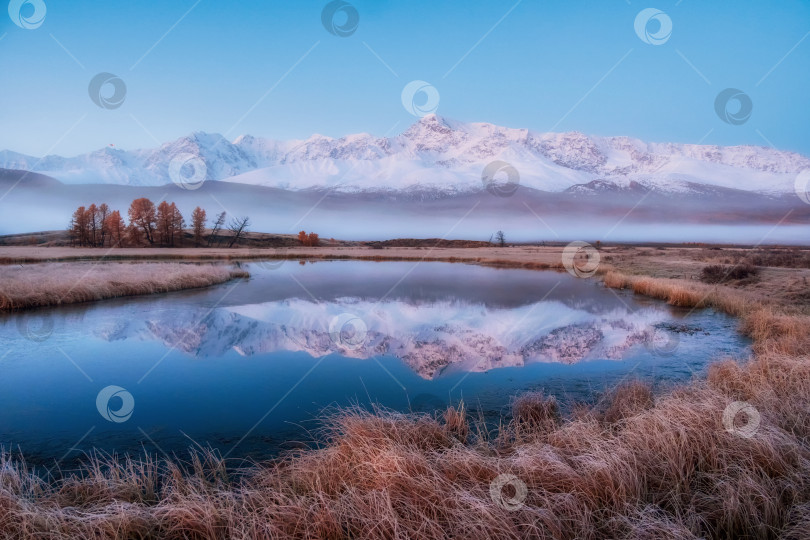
(438, 155)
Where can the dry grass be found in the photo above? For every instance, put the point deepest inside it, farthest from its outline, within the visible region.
(718, 273)
(784, 257)
(23, 287)
(513, 257)
(628, 400)
(666, 471)
(670, 466)
(683, 293)
(534, 413)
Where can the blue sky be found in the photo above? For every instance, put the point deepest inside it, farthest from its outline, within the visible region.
(555, 64)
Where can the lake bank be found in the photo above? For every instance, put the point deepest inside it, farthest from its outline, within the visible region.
(777, 282)
(61, 283)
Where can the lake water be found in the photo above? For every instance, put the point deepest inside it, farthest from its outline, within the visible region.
(246, 367)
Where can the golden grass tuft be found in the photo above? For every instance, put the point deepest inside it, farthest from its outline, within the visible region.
(535, 413)
(627, 400)
(683, 293)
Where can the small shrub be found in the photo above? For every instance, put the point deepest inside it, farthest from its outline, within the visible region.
(718, 273)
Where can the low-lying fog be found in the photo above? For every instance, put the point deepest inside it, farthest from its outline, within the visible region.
(528, 215)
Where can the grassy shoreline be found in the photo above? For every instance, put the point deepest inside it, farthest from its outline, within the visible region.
(53, 284)
(494, 256)
(679, 465)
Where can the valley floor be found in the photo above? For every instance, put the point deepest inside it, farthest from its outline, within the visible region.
(725, 457)
(784, 275)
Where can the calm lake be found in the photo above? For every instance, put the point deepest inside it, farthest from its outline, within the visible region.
(246, 367)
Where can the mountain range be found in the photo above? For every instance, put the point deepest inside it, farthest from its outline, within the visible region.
(539, 185)
(434, 153)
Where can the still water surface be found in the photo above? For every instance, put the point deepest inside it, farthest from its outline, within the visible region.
(246, 367)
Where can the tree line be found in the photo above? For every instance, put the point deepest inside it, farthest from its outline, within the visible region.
(310, 239)
(149, 225)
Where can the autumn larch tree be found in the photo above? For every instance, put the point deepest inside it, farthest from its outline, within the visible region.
(312, 239)
(115, 229)
(103, 212)
(91, 219)
(303, 238)
(169, 227)
(78, 226)
(176, 224)
(88, 225)
(133, 235)
(198, 225)
(142, 217)
(163, 224)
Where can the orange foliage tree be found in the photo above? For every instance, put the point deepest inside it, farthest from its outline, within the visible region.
(87, 225)
(115, 229)
(78, 227)
(310, 239)
(103, 212)
(168, 224)
(100, 226)
(198, 225)
(142, 218)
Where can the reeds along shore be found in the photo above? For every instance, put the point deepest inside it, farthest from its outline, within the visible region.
(69, 283)
(633, 466)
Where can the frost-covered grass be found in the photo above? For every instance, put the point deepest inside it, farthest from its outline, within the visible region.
(638, 467)
(634, 466)
(49, 284)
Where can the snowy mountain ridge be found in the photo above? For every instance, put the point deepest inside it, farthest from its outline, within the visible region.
(436, 154)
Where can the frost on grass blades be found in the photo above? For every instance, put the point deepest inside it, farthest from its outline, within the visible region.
(343, 269)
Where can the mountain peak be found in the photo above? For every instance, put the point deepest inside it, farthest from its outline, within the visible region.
(245, 138)
(432, 123)
(433, 120)
(205, 138)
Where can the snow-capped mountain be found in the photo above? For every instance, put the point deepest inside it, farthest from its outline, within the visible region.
(438, 154)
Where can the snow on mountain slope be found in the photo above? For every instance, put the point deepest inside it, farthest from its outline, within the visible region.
(438, 154)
